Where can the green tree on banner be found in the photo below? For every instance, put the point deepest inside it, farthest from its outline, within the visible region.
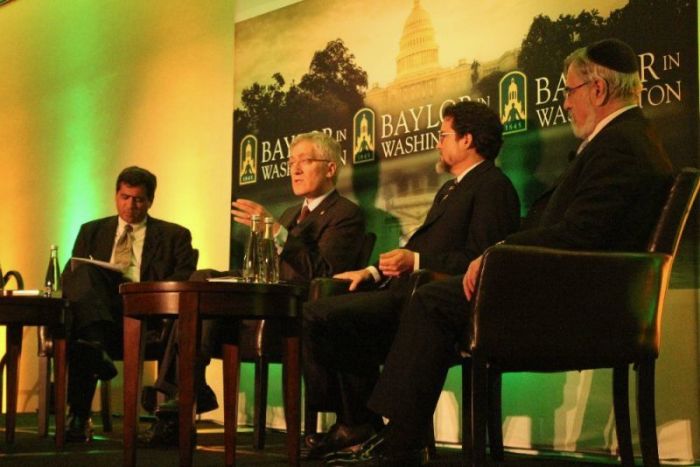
(549, 42)
(326, 96)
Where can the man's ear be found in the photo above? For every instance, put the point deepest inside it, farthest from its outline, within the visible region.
(332, 169)
(600, 88)
(467, 139)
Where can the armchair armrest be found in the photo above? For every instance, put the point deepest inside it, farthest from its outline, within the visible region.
(534, 305)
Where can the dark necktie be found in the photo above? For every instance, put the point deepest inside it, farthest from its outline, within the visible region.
(122, 250)
(447, 189)
(303, 215)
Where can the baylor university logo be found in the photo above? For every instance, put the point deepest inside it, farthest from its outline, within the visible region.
(363, 136)
(248, 161)
(512, 100)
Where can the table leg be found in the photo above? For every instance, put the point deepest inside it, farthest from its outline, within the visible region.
(291, 374)
(232, 366)
(188, 334)
(133, 360)
(44, 394)
(14, 350)
(59, 387)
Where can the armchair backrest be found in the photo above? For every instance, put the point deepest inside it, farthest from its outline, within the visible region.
(4, 279)
(667, 233)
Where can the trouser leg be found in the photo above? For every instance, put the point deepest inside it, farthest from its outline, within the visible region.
(422, 351)
(95, 317)
(345, 339)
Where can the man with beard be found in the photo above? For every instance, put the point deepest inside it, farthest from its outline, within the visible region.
(607, 199)
(346, 338)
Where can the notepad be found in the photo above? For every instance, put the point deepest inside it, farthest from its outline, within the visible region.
(75, 261)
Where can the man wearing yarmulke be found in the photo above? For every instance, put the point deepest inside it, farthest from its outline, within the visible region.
(607, 199)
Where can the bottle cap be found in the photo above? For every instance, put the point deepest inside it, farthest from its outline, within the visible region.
(269, 220)
(254, 217)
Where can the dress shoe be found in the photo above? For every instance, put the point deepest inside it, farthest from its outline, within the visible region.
(206, 402)
(376, 452)
(340, 437)
(312, 440)
(162, 433)
(97, 358)
(79, 429)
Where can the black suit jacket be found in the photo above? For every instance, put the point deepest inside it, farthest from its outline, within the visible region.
(167, 249)
(327, 242)
(481, 210)
(610, 196)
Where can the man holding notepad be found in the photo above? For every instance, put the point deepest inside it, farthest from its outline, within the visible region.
(137, 247)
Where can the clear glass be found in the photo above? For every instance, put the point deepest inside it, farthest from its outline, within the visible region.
(52, 283)
(269, 260)
(251, 267)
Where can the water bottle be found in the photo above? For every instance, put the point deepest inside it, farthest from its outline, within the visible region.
(251, 266)
(269, 262)
(52, 283)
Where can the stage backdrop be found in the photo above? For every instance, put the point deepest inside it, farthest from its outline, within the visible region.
(376, 76)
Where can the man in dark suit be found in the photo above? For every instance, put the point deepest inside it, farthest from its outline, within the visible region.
(607, 199)
(140, 248)
(346, 338)
(318, 237)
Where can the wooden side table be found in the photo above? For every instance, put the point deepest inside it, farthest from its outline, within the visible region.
(190, 302)
(17, 311)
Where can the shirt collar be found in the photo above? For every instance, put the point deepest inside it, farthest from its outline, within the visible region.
(469, 169)
(135, 227)
(313, 203)
(601, 124)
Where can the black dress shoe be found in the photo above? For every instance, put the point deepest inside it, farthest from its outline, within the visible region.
(97, 359)
(338, 438)
(312, 440)
(206, 402)
(79, 429)
(376, 452)
(163, 433)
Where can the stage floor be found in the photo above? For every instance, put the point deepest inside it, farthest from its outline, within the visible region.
(29, 450)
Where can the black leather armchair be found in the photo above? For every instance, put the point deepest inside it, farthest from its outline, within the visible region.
(547, 310)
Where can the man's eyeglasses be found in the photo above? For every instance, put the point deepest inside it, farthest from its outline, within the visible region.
(304, 162)
(568, 91)
(442, 134)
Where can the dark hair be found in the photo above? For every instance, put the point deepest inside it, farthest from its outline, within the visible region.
(479, 121)
(136, 176)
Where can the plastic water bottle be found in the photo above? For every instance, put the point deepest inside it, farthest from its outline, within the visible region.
(269, 261)
(251, 266)
(52, 283)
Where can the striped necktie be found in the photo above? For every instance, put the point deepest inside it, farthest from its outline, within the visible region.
(122, 249)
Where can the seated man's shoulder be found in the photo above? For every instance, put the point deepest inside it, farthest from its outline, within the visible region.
(166, 225)
(347, 205)
(97, 223)
(495, 178)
